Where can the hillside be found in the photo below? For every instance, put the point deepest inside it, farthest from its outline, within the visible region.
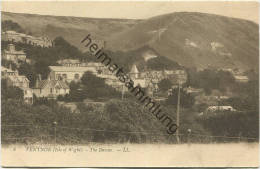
(191, 39)
(73, 29)
(196, 39)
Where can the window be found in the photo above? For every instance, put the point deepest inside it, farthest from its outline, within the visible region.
(99, 71)
(58, 77)
(76, 76)
(64, 76)
(51, 90)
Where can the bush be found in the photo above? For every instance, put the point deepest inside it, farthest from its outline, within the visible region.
(10, 92)
(164, 85)
(186, 100)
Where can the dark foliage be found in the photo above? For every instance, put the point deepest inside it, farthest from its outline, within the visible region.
(10, 25)
(162, 63)
(164, 85)
(10, 92)
(210, 79)
(243, 124)
(186, 101)
(91, 87)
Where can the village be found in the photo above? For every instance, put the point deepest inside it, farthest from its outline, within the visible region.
(71, 70)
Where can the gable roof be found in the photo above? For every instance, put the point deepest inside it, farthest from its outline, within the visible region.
(134, 69)
(52, 84)
(18, 78)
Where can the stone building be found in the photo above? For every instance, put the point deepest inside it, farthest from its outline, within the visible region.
(13, 55)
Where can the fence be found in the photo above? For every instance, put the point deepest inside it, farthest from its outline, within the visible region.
(54, 134)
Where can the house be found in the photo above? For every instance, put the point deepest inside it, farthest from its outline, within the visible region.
(241, 78)
(50, 88)
(12, 36)
(8, 72)
(194, 91)
(69, 74)
(70, 62)
(18, 81)
(101, 70)
(14, 55)
(39, 41)
(220, 108)
(27, 95)
(136, 77)
(238, 75)
(14, 79)
(176, 76)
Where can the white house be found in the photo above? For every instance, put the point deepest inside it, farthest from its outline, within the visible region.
(69, 73)
(220, 108)
(241, 78)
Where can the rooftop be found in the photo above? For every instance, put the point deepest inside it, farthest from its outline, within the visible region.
(52, 83)
(71, 69)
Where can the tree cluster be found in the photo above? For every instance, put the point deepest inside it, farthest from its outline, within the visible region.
(90, 87)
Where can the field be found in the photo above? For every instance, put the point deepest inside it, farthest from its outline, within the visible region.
(195, 155)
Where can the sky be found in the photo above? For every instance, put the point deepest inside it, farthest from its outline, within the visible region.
(134, 9)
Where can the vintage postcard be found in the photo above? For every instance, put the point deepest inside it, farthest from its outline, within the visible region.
(129, 84)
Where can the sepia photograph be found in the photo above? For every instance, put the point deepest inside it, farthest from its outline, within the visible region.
(129, 84)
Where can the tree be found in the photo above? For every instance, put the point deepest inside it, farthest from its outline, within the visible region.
(10, 92)
(161, 63)
(210, 79)
(186, 100)
(94, 87)
(244, 124)
(65, 49)
(164, 85)
(89, 79)
(10, 25)
(27, 70)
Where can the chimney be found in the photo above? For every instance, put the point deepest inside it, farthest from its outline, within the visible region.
(39, 78)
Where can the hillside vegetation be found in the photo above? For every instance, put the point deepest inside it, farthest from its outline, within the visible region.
(196, 39)
(191, 39)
